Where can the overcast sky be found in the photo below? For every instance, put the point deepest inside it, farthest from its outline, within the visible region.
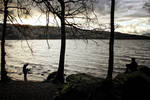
(133, 16)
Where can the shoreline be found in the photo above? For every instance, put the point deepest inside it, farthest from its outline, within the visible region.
(81, 87)
(82, 39)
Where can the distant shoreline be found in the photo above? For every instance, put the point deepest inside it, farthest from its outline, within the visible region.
(76, 39)
(23, 32)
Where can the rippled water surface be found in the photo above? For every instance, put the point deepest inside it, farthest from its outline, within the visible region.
(81, 56)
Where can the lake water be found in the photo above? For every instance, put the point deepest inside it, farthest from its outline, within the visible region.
(81, 56)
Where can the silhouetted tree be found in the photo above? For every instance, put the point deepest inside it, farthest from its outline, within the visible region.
(3, 70)
(67, 9)
(60, 74)
(111, 42)
(6, 14)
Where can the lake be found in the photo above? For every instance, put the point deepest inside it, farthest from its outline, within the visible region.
(82, 56)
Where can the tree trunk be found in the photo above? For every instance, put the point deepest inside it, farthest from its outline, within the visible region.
(111, 43)
(3, 71)
(60, 73)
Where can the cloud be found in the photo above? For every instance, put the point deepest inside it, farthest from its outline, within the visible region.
(103, 7)
(129, 14)
(124, 8)
(134, 8)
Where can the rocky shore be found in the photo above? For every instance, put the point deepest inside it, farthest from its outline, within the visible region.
(125, 86)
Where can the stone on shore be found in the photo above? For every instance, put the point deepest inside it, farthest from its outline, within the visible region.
(125, 86)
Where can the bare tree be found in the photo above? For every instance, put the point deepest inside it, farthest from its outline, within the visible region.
(67, 10)
(3, 70)
(6, 16)
(111, 42)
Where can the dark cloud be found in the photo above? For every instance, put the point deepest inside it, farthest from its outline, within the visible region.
(135, 13)
(103, 7)
(132, 8)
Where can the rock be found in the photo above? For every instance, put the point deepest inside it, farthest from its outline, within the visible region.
(136, 88)
(79, 87)
(82, 77)
(125, 86)
(51, 77)
(134, 85)
(144, 69)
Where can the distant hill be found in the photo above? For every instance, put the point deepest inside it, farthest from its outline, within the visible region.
(15, 31)
(147, 34)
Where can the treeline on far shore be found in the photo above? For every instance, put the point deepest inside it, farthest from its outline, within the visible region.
(16, 31)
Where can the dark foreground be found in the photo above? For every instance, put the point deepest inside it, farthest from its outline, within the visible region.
(125, 86)
(19, 90)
